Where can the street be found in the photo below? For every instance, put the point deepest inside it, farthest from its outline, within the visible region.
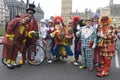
(57, 71)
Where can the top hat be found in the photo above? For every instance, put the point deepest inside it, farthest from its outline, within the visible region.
(31, 7)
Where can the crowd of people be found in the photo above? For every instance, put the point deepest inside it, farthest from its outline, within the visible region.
(93, 39)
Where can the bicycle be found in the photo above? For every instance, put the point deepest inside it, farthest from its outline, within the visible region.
(35, 54)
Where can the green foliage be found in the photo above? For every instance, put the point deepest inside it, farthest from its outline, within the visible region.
(2, 30)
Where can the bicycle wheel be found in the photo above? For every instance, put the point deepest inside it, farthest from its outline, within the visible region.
(35, 54)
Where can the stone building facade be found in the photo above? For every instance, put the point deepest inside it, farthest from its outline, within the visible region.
(16, 7)
(66, 10)
(4, 13)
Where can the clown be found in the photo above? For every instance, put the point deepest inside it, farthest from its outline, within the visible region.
(16, 33)
(106, 45)
(32, 31)
(49, 40)
(96, 26)
(87, 36)
(75, 22)
(60, 37)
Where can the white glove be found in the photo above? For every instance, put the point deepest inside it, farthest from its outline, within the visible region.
(109, 31)
(94, 45)
(100, 34)
(78, 27)
(78, 33)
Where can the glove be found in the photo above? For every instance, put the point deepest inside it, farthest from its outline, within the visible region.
(109, 31)
(100, 34)
(22, 28)
(94, 45)
(36, 34)
(10, 36)
(24, 41)
(78, 27)
(78, 33)
(30, 33)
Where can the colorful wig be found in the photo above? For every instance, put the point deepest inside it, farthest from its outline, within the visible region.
(75, 19)
(109, 20)
(58, 18)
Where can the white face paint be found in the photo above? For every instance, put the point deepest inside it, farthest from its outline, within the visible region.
(42, 24)
(88, 23)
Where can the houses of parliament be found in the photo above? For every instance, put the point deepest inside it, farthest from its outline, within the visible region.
(11, 8)
(112, 10)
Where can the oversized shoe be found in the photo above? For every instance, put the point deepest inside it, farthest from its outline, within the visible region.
(75, 63)
(82, 67)
(102, 74)
(10, 66)
(13, 63)
(21, 62)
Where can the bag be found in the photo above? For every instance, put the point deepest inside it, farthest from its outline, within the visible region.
(6, 41)
(79, 45)
(111, 48)
(91, 44)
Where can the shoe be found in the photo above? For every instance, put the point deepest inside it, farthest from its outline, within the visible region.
(90, 69)
(82, 67)
(75, 63)
(72, 59)
(10, 66)
(13, 63)
(50, 61)
(21, 62)
(102, 74)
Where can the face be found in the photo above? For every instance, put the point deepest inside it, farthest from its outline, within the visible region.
(49, 24)
(26, 20)
(52, 18)
(104, 21)
(76, 22)
(95, 19)
(30, 12)
(58, 21)
(42, 24)
(88, 23)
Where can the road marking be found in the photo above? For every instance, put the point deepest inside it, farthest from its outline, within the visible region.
(117, 60)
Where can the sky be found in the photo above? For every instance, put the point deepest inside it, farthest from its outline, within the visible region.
(53, 7)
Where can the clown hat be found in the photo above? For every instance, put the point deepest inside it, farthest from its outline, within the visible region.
(31, 7)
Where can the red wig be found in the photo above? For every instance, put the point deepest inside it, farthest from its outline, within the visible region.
(56, 18)
(75, 19)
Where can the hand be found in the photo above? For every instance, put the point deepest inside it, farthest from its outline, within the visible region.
(109, 31)
(78, 27)
(94, 45)
(78, 33)
(30, 33)
(11, 38)
(100, 34)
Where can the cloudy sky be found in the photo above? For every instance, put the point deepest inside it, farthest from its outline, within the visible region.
(53, 7)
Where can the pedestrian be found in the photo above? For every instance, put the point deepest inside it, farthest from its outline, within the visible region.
(106, 45)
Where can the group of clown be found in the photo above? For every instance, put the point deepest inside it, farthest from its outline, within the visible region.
(93, 40)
